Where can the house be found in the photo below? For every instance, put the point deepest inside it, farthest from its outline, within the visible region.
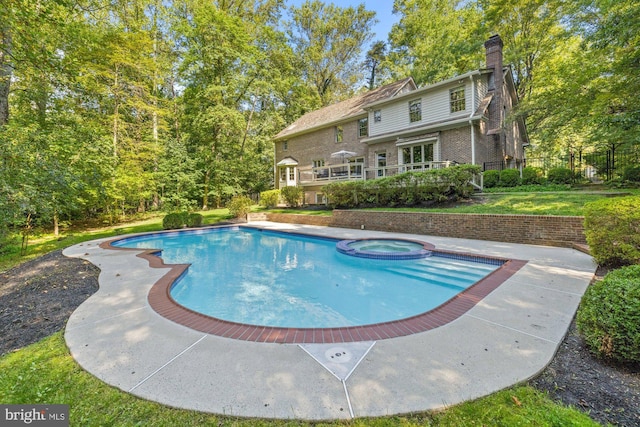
(400, 127)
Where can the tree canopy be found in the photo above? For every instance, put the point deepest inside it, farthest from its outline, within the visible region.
(108, 108)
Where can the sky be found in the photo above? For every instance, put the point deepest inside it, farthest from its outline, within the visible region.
(382, 8)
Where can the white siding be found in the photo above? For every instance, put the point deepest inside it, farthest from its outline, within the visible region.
(435, 108)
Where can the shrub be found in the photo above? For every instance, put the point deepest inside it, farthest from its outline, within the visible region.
(239, 206)
(560, 176)
(612, 229)
(609, 316)
(194, 220)
(173, 221)
(510, 177)
(180, 220)
(292, 195)
(532, 176)
(269, 199)
(410, 188)
(631, 173)
(491, 178)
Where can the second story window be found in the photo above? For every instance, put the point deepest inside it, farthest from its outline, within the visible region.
(285, 145)
(363, 127)
(318, 163)
(456, 99)
(415, 110)
(377, 116)
(339, 133)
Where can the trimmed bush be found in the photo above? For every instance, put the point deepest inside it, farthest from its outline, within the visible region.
(176, 220)
(510, 177)
(609, 316)
(612, 229)
(194, 220)
(407, 189)
(292, 195)
(532, 176)
(631, 173)
(491, 178)
(560, 176)
(269, 199)
(239, 206)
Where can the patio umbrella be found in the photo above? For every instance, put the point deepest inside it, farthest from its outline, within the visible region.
(343, 154)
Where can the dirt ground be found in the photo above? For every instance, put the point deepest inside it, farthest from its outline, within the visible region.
(37, 298)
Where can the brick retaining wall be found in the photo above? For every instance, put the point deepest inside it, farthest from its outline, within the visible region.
(564, 231)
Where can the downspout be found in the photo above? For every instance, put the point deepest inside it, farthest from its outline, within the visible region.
(276, 177)
(473, 108)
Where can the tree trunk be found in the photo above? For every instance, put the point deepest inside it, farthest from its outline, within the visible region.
(205, 196)
(5, 73)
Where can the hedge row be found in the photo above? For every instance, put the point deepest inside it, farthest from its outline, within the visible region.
(612, 229)
(181, 220)
(609, 316)
(530, 176)
(407, 189)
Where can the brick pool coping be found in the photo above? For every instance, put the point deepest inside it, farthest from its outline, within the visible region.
(161, 302)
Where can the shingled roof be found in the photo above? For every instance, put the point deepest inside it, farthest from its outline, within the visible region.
(344, 110)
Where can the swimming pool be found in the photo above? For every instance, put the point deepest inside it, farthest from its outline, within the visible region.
(285, 280)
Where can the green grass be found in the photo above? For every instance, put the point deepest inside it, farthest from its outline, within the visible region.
(45, 372)
(42, 243)
(556, 203)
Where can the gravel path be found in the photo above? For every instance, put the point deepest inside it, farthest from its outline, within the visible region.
(37, 298)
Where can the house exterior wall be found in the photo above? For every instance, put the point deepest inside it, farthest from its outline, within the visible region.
(435, 108)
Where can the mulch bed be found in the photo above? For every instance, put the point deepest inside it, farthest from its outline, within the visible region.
(37, 298)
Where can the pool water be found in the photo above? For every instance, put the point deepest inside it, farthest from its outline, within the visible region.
(277, 279)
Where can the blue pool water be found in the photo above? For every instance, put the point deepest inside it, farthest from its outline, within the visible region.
(276, 279)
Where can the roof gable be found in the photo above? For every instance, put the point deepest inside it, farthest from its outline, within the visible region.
(344, 110)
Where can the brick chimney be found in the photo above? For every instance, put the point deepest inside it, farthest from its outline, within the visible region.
(493, 48)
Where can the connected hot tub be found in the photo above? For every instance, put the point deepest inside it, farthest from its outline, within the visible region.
(384, 249)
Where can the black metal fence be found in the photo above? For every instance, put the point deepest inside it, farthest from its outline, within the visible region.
(600, 165)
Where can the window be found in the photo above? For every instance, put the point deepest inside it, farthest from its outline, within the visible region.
(292, 173)
(339, 133)
(417, 155)
(381, 163)
(363, 127)
(355, 166)
(318, 163)
(456, 99)
(415, 110)
(377, 116)
(285, 145)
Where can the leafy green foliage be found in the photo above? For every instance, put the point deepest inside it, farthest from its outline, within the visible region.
(612, 228)
(292, 195)
(509, 177)
(181, 219)
(491, 178)
(609, 316)
(407, 189)
(631, 173)
(560, 176)
(532, 176)
(270, 198)
(329, 39)
(240, 206)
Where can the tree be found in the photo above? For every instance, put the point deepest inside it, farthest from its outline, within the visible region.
(328, 41)
(434, 39)
(375, 57)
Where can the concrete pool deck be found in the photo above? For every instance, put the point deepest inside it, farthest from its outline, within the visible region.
(508, 337)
